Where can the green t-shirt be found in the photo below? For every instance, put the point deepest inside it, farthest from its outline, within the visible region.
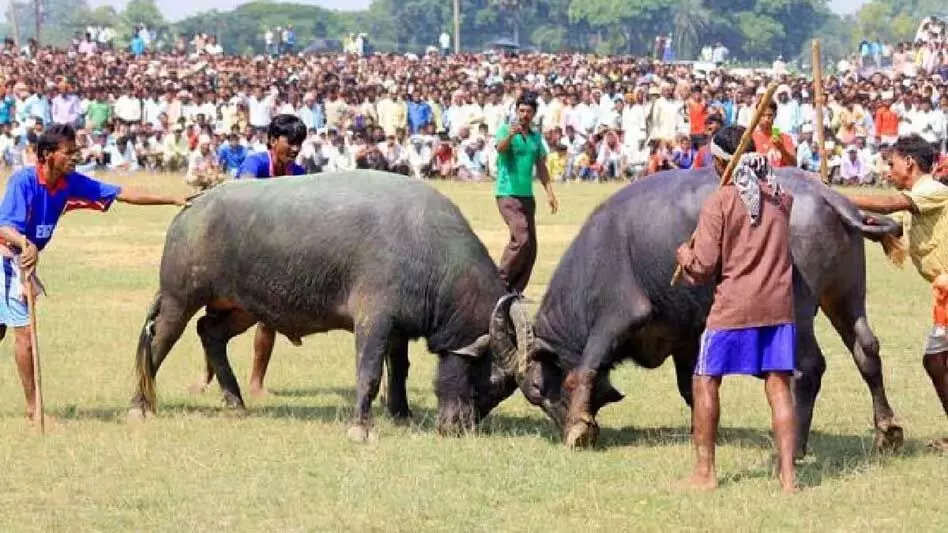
(515, 166)
(98, 113)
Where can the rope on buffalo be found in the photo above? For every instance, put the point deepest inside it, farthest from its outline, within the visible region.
(736, 156)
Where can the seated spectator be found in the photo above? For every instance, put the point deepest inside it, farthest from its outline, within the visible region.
(231, 154)
(684, 155)
(203, 169)
(852, 170)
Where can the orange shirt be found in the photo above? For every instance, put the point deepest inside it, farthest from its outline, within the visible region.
(765, 145)
(887, 123)
(697, 114)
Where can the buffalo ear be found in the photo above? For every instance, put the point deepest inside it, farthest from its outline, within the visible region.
(476, 349)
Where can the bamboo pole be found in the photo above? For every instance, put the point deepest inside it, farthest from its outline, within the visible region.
(765, 100)
(34, 342)
(457, 26)
(16, 27)
(818, 103)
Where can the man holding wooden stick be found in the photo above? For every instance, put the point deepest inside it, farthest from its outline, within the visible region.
(743, 243)
(35, 199)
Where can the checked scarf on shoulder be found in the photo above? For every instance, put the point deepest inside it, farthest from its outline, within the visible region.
(749, 172)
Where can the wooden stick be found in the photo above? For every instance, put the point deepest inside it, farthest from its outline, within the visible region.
(818, 103)
(765, 100)
(37, 376)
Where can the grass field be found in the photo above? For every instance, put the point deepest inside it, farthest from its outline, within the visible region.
(288, 466)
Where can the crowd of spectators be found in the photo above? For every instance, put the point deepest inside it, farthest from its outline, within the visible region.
(194, 110)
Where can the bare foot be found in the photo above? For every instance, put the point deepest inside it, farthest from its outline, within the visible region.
(700, 482)
(137, 414)
(359, 433)
(259, 392)
(939, 445)
(198, 388)
(48, 420)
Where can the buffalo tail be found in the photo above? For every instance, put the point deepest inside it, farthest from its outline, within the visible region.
(884, 230)
(144, 362)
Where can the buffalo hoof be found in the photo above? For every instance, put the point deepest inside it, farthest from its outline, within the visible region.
(582, 434)
(401, 417)
(360, 434)
(889, 438)
(233, 402)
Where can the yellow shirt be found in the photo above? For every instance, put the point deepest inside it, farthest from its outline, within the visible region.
(927, 229)
(556, 165)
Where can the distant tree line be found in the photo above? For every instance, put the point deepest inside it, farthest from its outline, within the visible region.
(753, 30)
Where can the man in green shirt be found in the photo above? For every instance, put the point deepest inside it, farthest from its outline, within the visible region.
(520, 150)
(99, 112)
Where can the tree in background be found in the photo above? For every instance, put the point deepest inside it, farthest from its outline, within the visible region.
(753, 30)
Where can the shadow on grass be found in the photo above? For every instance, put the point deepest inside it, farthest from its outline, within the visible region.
(831, 456)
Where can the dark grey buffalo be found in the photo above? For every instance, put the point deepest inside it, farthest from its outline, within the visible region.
(381, 255)
(610, 300)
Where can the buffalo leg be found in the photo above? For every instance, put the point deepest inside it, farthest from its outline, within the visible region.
(164, 324)
(216, 329)
(685, 357)
(853, 328)
(806, 386)
(372, 341)
(398, 364)
(581, 428)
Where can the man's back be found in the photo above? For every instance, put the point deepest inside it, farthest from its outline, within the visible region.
(755, 283)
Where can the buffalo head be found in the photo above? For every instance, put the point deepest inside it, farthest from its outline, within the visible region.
(496, 359)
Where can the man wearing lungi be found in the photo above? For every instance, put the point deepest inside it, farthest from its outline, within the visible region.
(742, 244)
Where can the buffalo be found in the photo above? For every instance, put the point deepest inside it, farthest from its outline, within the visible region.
(381, 255)
(610, 300)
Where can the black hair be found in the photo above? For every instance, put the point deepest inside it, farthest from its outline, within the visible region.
(289, 126)
(772, 106)
(714, 118)
(918, 149)
(54, 136)
(528, 98)
(729, 138)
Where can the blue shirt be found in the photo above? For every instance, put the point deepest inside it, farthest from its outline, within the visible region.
(258, 166)
(231, 157)
(419, 115)
(6, 110)
(138, 45)
(33, 209)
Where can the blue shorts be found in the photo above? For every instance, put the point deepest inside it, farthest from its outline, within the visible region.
(750, 351)
(13, 310)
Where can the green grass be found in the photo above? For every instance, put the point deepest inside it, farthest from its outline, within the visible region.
(287, 465)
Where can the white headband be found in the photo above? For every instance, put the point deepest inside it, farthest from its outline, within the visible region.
(717, 151)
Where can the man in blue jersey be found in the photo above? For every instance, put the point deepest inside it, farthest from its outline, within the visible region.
(285, 137)
(35, 199)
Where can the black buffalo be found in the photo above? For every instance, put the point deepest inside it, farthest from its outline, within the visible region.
(610, 300)
(384, 256)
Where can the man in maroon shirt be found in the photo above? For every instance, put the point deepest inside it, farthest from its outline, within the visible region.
(743, 244)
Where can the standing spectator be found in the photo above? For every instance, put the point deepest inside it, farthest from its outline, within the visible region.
(520, 152)
(775, 144)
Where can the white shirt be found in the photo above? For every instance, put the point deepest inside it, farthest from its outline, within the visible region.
(128, 108)
(261, 111)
